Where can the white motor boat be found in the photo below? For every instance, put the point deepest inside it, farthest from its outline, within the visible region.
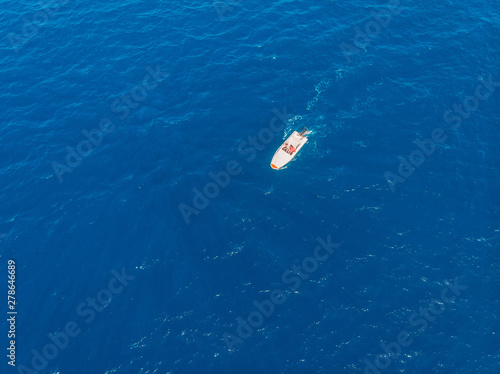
(287, 151)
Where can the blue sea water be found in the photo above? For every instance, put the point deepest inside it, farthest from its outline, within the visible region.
(170, 92)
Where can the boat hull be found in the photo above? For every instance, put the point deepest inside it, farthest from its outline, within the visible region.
(285, 154)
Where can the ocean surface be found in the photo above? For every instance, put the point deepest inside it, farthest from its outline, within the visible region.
(150, 234)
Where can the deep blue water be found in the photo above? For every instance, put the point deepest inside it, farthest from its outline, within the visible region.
(180, 89)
